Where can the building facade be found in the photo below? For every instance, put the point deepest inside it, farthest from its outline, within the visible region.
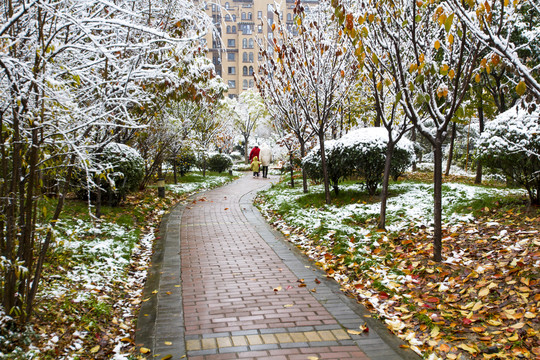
(239, 25)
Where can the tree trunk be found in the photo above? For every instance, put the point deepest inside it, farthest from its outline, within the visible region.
(478, 179)
(291, 160)
(246, 153)
(451, 154)
(386, 181)
(45, 247)
(324, 170)
(413, 139)
(437, 201)
(304, 174)
(98, 197)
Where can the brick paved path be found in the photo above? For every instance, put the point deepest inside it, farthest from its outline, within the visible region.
(239, 291)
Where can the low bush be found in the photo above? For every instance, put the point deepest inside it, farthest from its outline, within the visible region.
(361, 152)
(219, 163)
(184, 161)
(510, 145)
(121, 171)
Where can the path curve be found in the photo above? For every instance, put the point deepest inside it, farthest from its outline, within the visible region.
(224, 285)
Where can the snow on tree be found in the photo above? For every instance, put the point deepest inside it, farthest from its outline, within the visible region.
(250, 112)
(510, 144)
(430, 55)
(75, 76)
(287, 116)
(495, 24)
(318, 61)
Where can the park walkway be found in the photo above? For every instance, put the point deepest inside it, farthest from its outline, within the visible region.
(224, 285)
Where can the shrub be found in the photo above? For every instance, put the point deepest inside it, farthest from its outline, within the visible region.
(362, 151)
(336, 164)
(510, 144)
(184, 161)
(219, 162)
(123, 170)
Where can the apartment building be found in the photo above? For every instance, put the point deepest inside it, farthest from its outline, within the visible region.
(239, 23)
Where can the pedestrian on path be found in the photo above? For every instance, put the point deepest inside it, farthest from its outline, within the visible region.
(255, 166)
(254, 152)
(266, 159)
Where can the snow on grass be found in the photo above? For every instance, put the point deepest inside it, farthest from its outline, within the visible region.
(414, 204)
(200, 183)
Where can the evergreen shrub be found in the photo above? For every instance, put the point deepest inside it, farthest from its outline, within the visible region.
(510, 145)
(219, 163)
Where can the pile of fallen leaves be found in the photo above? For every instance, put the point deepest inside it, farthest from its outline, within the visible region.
(480, 302)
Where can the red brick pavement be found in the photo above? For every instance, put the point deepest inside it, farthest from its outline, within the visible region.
(233, 281)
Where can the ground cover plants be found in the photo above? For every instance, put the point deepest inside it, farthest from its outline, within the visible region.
(92, 283)
(481, 301)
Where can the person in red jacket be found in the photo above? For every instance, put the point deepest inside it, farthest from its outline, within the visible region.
(254, 152)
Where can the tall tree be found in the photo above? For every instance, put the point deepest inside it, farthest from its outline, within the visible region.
(71, 75)
(320, 68)
(431, 56)
(250, 111)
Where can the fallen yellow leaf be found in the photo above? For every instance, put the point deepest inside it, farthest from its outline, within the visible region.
(95, 349)
(467, 348)
(513, 337)
(144, 350)
(168, 343)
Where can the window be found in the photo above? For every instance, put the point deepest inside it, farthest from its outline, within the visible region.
(251, 83)
(231, 70)
(231, 43)
(232, 84)
(245, 84)
(251, 43)
(227, 6)
(243, 16)
(289, 17)
(250, 16)
(234, 18)
(233, 29)
(244, 43)
(259, 14)
(230, 56)
(259, 28)
(227, 17)
(245, 57)
(214, 7)
(251, 70)
(245, 71)
(228, 29)
(250, 57)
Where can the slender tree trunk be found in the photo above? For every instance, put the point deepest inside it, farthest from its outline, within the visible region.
(386, 181)
(478, 179)
(48, 238)
(291, 160)
(304, 174)
(437, 201)
(413, 139)
(98, 197)
(451, 154)
(246, 154)
(324, 170)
